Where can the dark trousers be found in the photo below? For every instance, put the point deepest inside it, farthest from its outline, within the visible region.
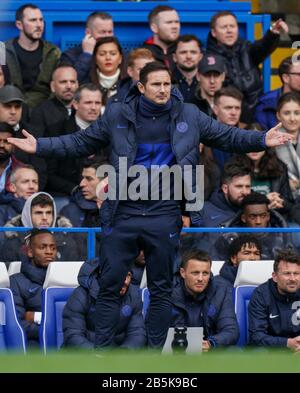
(158, 236)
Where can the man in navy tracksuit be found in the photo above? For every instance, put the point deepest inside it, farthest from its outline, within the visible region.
(199, 300)
(274, 308)
(152, 126)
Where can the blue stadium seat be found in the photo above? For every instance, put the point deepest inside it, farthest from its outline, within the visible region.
(242, 297)
(53, 302)
(12, 336)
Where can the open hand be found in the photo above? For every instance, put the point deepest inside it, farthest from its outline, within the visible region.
(27, 144)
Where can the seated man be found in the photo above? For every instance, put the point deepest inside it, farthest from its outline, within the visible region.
(39, 211)
(274, 306)
(79, 313)
(27, 285)
(243, 248)
(200, 301)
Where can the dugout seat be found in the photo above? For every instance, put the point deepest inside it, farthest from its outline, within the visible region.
(253, 272)
(242, 297)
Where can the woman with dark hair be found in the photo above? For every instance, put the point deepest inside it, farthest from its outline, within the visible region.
(4, 76)
(269, 176)
(106, 66)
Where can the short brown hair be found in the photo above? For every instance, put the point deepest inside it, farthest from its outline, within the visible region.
(157, 10)
(152, 67)
(229, 91)
(139, 53)
(199, 255)
(218, 15)
(286, 255)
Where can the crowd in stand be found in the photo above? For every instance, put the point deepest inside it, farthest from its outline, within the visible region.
(50, 93)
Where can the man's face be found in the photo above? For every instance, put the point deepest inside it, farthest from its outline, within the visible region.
(42, 249)
(134, 70)
(101, 28)
(26, 183)
(236, 190)
(64, 84)
(126, 284)
(211, 82)
(6, 148)
(256, 216)
(89, 184)
(166, 26)
(32, 25)
(292, 78)
(42, 216)
(228, 110)
(89, 106)
(226, 30)
(157, 88)
(187, 55)
(196, 275)
(11, 113)
(248, 252)
(287, 277)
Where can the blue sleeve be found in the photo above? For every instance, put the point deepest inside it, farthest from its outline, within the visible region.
(80, 61)
(258, 316)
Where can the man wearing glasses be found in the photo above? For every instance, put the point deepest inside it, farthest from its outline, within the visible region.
(274, 308)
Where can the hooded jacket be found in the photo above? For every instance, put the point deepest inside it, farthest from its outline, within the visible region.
(118, 127)
(79, 313)
(273, 318)
(265, 111)
(13, 246)
(213, 309)
(27, 289)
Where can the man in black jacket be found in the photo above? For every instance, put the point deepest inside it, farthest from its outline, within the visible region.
(242, 57)
(274, 308)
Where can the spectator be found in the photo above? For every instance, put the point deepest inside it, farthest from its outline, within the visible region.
(273, 310)
(186, 56)
(79, 313)
(288, 113)
(64, 175)
(59, 107)
(8, 161)
(265, 111)
(198, 300)
(212, 173)
(165, 25)
(98, 25)
(269, 176)
(12, 113)
(242, 58)
(211, 75)
(27, 285)
(227, 108)
(242, 248)
(39, 211)
(30, 59)
(4, 75)
(23, 182)
(257, 214)
(106, 66)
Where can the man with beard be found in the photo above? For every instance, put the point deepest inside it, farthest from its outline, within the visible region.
(30, 59)
(59, 107)
(165, 24)
(273, 312)
(8, 161)
(186, 56)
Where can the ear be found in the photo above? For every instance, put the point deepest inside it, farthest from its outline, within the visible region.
(129, 71)
(213, 33)
(29, 252)
(234, 260)
(88, 31)
(274, 276)
(52, 87)
(154, 28)
(285, 78)
(182, 272)
(216, 110)
(75, 105)
(141, 87)
(223, 76)
(12, 188)
(174, 57)
(278, 116)
(224, 188)
(19, 25)
(243, 218)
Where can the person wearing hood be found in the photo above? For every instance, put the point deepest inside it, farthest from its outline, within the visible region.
(242, 58)
(152, 128)
(22, 183)
(27, 285)
(199, 301)
(39, 211)
(273, 311)
(257, 214)
(79, 316)
(242, 248)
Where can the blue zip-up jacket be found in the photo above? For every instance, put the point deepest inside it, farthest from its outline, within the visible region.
(79, 314)
(80, 60)
(213, 309)
(27, 289)
(272, 316)
(118, 128)
(10, 207)
(227, 274)
(265, 110)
